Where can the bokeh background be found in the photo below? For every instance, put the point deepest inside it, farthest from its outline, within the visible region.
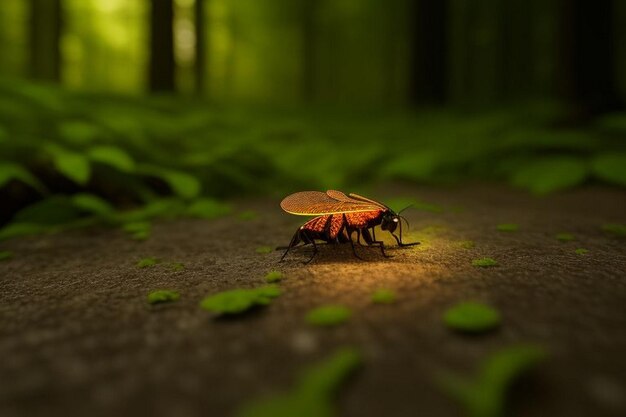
(125, 110)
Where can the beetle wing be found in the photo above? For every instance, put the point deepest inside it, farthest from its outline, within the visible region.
(360, 198)
(317, 203)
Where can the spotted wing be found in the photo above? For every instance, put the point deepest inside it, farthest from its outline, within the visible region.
(317, 203)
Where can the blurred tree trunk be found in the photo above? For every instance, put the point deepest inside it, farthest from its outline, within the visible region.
(200, 64)
(308, 50)
(587, 61)
(162, 64)
(430, 49)
(46, 21)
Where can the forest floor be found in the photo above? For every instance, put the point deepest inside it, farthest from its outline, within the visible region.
(77, 336)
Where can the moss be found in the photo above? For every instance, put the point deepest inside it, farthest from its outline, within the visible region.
(264, 249)
(147, 262)
(138, 230)
(472, 317)
(565, 237)
(240, 300)
(507, 227)
(466, 244)
(581, 251)
(484, 394)
(615, 229)
(162, 296)
(313, 393)
(274, 276)
(328, 315)
(5, 255)
(484, 262)
(177, 266)
(383, 296)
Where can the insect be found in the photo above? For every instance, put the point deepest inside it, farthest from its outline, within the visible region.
(338, 217)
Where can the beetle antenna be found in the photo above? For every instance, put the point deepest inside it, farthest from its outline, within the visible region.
(407, 222)
(407, 207)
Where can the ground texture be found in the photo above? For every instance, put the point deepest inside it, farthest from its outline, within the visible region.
(77, 337)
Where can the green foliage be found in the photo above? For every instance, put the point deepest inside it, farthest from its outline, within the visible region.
(581, 251)
(147, 262)
(472, 317)
(610, 167)
(138, 230)
(248, 215)
(162, 296)
(384, 296)
(92, 204)
(484, 394)
(182, 184)
(551, 174)
(11, 171)
(208, 208)
(484, 262)
(328, 315)
(240, 300)
(508, 227)
(5, 255)
(313, 392)
(565, 237)
(112, 156)
(614, 229)
(274, 276)
(71, 164)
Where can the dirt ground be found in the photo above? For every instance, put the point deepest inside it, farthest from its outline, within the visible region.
(77, 337)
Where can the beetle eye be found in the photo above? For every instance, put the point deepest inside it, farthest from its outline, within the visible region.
(395, 219)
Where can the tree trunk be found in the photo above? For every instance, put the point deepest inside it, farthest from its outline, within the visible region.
(162, 64)
(46, 20)
(200, 64)
(430, 50)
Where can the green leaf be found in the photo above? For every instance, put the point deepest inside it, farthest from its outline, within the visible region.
(614, 229)
(113, 156)
(240, 300)
(313, 393)
(329, 315)
(10, 171)
(550, 174)
(564, 237)
(54, 210)
(162, 296)
(472, 317)
(274, 276)
(5, 255)
(208, 208)
(147, 262)
(92, 204)
(23, 229)
(610, 167)
(484, 395)
(78, 132)
(184, 185)
(71, 164)
(383, 296)
(581, 251)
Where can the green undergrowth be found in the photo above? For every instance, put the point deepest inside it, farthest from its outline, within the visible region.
(472, 317)
(565, 237)
(383, 296)
(484, 262)
(328, 315)
(113, 160)
(274, 276)
(314, 391)
(618, 230)
(147, 262)
(162, 296)
(581, 251)
(237, 301)
(484, 393)
(5, 255)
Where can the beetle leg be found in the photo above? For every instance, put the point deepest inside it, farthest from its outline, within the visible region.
(349, 231)
(402, 244)
(370, 241)
(314, 250)
(294, 242)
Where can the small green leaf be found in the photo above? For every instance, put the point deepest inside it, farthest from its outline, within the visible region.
(550, 174)
(10, 171)
(147, 262)
(581, 251)
(239, 301)
(182, 184)
(23, 229)
(618, 230)
(207, 208)
(472, 317)
(383, 296)
(313, 393)
(72, 165)
(610, 167)
(274, 276)
(162, 296)
(484, 262)
(138, 230)
(565, 237)
(177, 266)
(112, 156)
(328, 315)
(5, 255)
(466, 244)
(484, 394)
(264, 249)
(92, 204)
(508, 227)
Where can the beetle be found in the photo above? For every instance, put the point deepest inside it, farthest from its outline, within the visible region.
(338, 217)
